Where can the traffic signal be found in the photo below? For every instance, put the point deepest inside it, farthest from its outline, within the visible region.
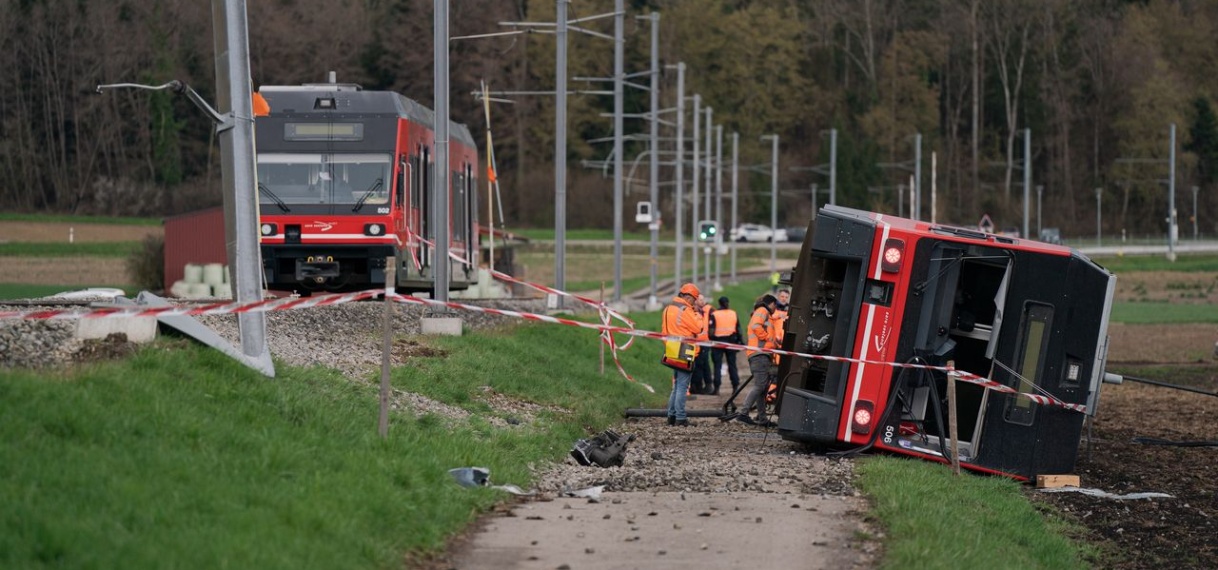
(708, 231)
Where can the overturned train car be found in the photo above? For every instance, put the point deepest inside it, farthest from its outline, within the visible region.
(883, 291)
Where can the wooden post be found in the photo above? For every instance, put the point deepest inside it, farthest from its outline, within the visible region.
(951, 416)
(602, 300)
(387, 345)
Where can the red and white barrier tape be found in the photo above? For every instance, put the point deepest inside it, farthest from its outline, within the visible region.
(263, 306)
(605, 329)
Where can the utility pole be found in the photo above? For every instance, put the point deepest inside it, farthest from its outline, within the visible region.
(679, 205)
(719, 205)
(654, 174)
(619, 18)
(832, 167)
(697, 166)
(234, 100)
(441, 264)
(1098, 220)
(1039, 190)
(916, 203)
(773, 199)
(1194, 213)
(560, 149)
(735, 195)
(1172, 232)
(710, 185)
(1027, 177)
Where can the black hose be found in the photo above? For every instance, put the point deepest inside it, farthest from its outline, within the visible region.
(1156, 441)
(1166, 385)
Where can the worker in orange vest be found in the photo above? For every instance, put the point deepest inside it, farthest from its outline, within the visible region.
(724, 326)
(779, 322)
(701, 382)
(682, 318)
(761, 335)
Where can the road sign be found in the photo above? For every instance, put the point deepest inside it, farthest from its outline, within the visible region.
(986, 224)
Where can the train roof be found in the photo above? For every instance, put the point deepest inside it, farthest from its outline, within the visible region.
(947, 231)
(351, 101)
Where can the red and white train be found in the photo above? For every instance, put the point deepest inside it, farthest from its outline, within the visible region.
(884, 291)
(344, 178)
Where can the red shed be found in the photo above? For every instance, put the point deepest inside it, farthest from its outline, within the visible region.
(194, 237)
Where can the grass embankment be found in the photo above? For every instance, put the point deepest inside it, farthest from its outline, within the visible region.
(934, 519)
(122, 249)
(179, 457)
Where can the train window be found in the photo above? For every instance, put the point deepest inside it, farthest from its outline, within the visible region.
(323, 178)
(1034, 339)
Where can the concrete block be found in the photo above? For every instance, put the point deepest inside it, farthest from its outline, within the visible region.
(137, 329)
(448, 326)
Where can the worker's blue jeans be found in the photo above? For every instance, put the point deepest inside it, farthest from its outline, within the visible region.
(676, 400)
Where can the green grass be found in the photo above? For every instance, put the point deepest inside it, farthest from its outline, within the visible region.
(1163, 313)
(1184, 262)
(57, 249)
(9, 217)
(25, 291)
(180, 457)
(933, 519)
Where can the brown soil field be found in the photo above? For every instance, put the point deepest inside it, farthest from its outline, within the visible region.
(1151, 533)
(51, 232)
(66, 271)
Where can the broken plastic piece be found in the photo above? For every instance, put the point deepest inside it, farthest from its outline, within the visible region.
(471, 476)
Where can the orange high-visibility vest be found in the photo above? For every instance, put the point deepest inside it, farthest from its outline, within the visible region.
(680, 319)
(759, 331)
(778, 322)
(705, 334)
(725, 322)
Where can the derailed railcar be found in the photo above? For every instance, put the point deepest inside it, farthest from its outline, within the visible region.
(344, 181)
(879, 293)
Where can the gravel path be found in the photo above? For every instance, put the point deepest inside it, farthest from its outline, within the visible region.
(713, 495)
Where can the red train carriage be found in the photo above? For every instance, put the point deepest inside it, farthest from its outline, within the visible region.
(344, 179)
(884, 290)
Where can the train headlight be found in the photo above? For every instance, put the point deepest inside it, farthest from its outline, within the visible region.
(894, 253)
(864, 413)
(268, 229)
(374, 229)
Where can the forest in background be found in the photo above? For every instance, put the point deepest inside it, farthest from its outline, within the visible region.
(1098, 83)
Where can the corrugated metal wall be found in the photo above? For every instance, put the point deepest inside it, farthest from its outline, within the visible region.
(196, 237)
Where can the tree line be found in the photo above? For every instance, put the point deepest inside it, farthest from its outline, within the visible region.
(1096, 82)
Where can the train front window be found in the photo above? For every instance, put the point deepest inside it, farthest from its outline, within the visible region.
(361, 180)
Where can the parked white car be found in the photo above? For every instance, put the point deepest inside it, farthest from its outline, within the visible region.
(757, 233)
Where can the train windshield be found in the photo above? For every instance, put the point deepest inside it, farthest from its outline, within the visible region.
(356, 180)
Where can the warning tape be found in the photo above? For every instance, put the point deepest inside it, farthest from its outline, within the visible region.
(263, 306)
(606, 330)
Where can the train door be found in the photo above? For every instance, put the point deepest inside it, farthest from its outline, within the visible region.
(401, 208)
(463, 216)
(419, 204)
(960, 321)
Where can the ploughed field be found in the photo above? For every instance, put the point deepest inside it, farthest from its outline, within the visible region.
(1152, 533)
